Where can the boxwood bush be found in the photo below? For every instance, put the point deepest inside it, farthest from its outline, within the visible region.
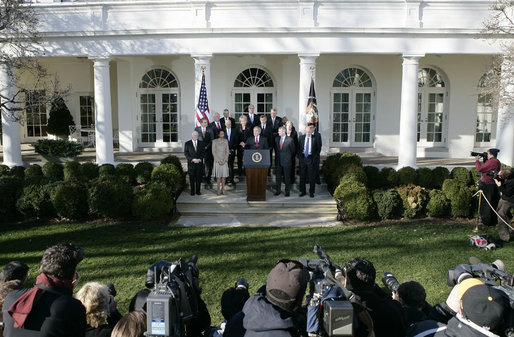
(11, 188)
(373, 176)
(169, 175)
(414, 199)
(440, 174)
(33, 170)
(406, 176)
(53, 171)
(72, 171)
(106, 171)
(152, 202)
(127, 173)
(389, 203)
(425, 177)
(58, 148)
(36, 202)
(438, 205)
(460, 197)
(110, 197)
(4, 170)
(335, 166)
(475, 175)
(354, 200)
(462, 175)
(17, 171)
(89, 171)
(389, 177)
(70, 200)
(143, 172)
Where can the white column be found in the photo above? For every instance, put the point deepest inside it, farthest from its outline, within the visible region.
(505, 124)
(103, 112)
(307, 71)
(202, 63)
(10, 120)
(407, 145)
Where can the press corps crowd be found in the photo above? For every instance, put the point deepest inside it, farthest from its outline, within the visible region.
(473, 307)
(213, 149)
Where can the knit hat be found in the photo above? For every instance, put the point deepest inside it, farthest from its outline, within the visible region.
(286, 284)
(493, 151)
(482, 304)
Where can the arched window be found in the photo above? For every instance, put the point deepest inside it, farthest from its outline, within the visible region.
(352, 108)
(432, 115)
(253, 86)
(486, 109)
(158, 91)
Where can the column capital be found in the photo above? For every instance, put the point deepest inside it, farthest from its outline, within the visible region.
(308, 57)
(202, 58)
(412, 57)
(100, 58)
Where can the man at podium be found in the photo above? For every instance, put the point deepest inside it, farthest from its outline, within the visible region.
(257, 142)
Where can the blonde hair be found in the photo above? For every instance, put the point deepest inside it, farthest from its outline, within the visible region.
(243, 117)
(95, 297)
(289, 123)
(131, 325)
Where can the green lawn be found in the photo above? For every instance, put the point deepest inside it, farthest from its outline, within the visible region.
(121, 253)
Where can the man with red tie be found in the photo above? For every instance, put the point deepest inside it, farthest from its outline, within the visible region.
(257, 141)
(216, 125)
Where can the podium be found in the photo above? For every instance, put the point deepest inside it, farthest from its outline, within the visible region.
(256, 163)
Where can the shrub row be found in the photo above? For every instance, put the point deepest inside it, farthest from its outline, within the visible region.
(78, 191)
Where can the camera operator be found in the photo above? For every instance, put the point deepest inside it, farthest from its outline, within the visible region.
(278, 313)
(388, 319)
(412, 297)
(487, 185)
(505, 185)
(481, 310)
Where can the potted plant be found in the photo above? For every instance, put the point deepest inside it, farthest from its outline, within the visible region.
(58, 150)
(60, 119)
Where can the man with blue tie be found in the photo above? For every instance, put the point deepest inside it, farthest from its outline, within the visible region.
(307, 153)
(253, 118)
(194, 150)
(233, 143)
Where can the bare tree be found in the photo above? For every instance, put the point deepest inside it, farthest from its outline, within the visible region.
(20, 47)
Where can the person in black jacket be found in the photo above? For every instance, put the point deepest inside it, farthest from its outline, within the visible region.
(244, 131)
(206, 135)
(233, 144)
(257, 141)
(308, 156)
(49, 308)
(13, 277)
(505, 185)
(285, 151)
(226, 117)
(194, 150)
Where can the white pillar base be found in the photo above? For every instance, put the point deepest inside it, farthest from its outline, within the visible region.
(10, 125)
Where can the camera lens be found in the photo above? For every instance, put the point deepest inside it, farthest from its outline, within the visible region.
(390, 281)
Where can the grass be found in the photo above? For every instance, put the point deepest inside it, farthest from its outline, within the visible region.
(120, 253)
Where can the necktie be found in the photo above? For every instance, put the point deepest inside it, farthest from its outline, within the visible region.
(273, 121)
(263, 127)
(251, 117)
(194, 143)
(281, 142)
(203, 132)
(228, 134)
(306, 150)
(218, 125)
(256, 141)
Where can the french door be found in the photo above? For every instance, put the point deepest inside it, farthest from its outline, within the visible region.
(261, 98)
(158, 117)
(432, 118)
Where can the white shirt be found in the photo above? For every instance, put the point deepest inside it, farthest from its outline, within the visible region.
(310, 145)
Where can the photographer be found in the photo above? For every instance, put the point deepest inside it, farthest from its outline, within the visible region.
(487, 168)
(232, 302)
(505, 185)
(412, 297)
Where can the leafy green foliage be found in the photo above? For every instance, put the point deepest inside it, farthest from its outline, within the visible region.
(11, 188)
(438, 205)
(33, 170)
(389, 203)
(17, 171)
(336, 166)
(70, 200)
(110, 198)
(459, 195)
(440, 174)
(425, 177)
(414, 200)
(389, 177)
(462, 175)
(4, 170)
(373, 176)
(406, 175)
(89, 171)
(72, 171)
(169, 175)
(143, 172)
(354, 199)
(106, 171)
(58, 148)
(127, 173)
(35, 201)
(53, 171)
(152, 202)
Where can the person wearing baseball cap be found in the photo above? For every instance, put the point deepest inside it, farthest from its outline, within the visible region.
(276, 313)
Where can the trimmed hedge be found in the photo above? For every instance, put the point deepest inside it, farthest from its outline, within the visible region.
(127, 173)
(17, 171)
(58, 148)
(106, 171)
(89, 171)
(335, 166)
(72, 171)
(389, 203)
(439, 175)
(70, 200)
(33, 170)
(389, 177)
(53, 171)
(373, 176)
(354, 200)
(460, 197)
(11, 188)
(152, 202)
(4, 170)
(143, 172)
(110, 198)
(414, 200)
(424, 177)
(438, 205)
(36, 202)
(462, 175)
(407, 175)
(169, 175)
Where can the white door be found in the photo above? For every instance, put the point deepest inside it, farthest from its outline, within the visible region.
(158, 118)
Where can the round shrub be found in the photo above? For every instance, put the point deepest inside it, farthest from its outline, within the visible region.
(143, 172)
(425, 177)
(373, 176)
(388, 177)
(72, 171)
(18, 171)
(460, 197)
(414, 199)
(439, 175)
(33, 170)
(106, 171)
(4, 170)
(127, 173)
(354, 200)
(475, 175)
(153, 201)
(462, 175)
(70, 200)
(438, 205)
(110, 198)
(53, 171)
(11, 188)
(406, 175)
(89, 171)
(35, 201)
(356, 172)
(171, 159)
(389, 204)
(334, 167)
(167, 174)
(36, 180)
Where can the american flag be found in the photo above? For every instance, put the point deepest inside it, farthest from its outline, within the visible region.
(202, 109)
(312, 107)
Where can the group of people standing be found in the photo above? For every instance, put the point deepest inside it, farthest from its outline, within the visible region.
(214, 147)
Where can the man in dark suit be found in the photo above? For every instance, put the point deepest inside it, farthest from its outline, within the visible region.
(194, 150)
(216, 125)
(257, 141)
(206, 135)
(253, 118)
(307, 152)
(317, 138)
(267, 132)
(275, 122)
(285, 150)
(233, 144)
(226, 117)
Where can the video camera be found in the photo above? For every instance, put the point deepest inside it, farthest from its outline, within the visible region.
(173, 301)
(483, 155)
(330, 310)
